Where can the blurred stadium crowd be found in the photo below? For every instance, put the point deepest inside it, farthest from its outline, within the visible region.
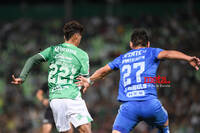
(104, 39)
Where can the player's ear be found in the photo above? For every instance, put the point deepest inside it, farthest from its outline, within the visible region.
(148, 44)
(131, 44)
(64, 38)
(74, 36)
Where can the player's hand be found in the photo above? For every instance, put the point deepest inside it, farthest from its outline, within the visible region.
(45, 102)
(83, 82)
(195, 62)
(16, 81)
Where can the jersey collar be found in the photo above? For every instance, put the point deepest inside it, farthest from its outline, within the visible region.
(68, 44)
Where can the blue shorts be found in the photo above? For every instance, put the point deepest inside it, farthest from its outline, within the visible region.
(131, 113)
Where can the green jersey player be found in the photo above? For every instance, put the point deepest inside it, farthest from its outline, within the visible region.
(66, 62)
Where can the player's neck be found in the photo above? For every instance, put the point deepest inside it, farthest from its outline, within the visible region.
(71, 42)
(138, 47)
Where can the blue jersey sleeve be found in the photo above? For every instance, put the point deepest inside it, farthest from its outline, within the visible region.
(157, 51)
(115, 64)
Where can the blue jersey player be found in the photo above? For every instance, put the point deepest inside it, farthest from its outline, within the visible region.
(139, 99)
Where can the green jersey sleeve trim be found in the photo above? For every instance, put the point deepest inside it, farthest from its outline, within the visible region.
(42, 56)
(46, 53)
(36, 59)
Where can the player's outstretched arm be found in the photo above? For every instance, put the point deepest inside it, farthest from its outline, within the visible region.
(173, 54)
(36, 59)
(99, 74)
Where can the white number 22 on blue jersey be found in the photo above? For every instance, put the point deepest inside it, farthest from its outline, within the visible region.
(127, 68)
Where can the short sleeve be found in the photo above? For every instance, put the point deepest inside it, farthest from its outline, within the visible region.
(115, 64)
(157, 51)
(84, 65)
(45, 53)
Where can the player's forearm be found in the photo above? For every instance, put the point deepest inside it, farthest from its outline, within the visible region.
(39, 95)
(172, 54)
(36, 59)
(100, 73)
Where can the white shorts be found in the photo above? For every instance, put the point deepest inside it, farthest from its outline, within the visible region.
(66, 111)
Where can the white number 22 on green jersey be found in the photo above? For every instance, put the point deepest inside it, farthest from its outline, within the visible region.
(61, 74)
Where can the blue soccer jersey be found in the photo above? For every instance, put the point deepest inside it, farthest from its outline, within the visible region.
(134, 66)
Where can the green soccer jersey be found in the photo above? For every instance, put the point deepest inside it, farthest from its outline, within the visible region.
(66, 63)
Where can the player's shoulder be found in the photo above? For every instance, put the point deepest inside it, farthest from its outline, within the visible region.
(56, 46)
(153, 48)
(51, 47)
(81, 52)
(156, 50)
(125, 55)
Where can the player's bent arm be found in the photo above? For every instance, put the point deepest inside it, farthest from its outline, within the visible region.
(36, 59)
(173, 54)
(101, 73)
(41, 98)
(39, 95)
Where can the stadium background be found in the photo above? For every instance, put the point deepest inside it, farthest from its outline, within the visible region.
(26, 27)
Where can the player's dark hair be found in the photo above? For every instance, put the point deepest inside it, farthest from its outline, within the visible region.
(139, 37)
(72, 27)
